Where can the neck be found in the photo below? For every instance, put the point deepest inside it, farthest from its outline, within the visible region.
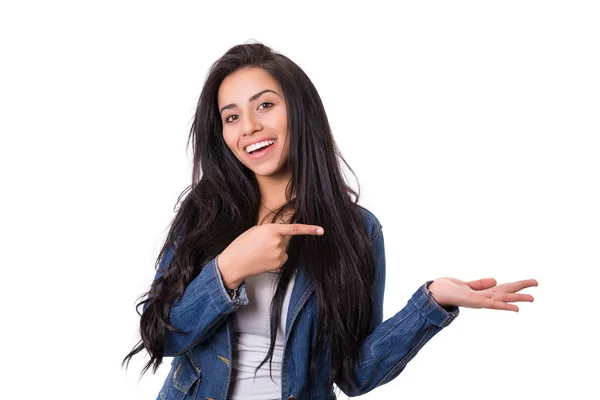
(272, 189)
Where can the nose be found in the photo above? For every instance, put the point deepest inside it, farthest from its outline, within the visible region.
(250, 125)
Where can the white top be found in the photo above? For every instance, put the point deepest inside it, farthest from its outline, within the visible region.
(252, 338)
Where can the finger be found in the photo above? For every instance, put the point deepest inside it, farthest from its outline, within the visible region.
(482, 284)
(514, 287)
(299, 229)
(511, 297)
(499, 305)
(480, 301)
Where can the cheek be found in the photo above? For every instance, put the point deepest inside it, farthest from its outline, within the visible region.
(283, 120)
(230, 142)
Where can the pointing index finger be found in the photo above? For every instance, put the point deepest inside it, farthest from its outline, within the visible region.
(299, 229)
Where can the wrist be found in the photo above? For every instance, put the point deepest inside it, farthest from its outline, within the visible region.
(433, 289)
(230, 280)
(441, 298)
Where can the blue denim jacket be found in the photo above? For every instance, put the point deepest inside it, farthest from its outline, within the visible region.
(201, 366)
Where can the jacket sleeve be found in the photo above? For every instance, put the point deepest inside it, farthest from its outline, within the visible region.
(203, 308)
(391, 344)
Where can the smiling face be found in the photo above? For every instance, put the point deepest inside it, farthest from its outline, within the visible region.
(254, 116)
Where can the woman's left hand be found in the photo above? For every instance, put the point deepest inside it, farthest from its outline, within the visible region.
(482, 293)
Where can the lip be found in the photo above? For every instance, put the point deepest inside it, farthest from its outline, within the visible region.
(256, 141)
(265, 152)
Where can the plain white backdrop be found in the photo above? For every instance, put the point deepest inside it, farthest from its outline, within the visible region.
(473, 128)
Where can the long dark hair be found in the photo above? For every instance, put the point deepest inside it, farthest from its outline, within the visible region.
(223, 202)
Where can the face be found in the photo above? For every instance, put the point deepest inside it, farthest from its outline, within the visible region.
(254, 117)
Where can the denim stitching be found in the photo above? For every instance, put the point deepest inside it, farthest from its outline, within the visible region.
(450, 314)
(226, 361)
(181, 387)
(191, 360)
(228, 372)
(176, 371)
(295, 313)
(301, 302)
(228, 299)
(378, 232)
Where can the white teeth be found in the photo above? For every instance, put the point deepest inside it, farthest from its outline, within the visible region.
(258, 145)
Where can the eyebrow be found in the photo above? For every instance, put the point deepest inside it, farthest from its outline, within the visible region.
(254, 97)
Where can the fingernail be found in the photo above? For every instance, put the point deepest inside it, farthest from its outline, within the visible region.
(320, 231)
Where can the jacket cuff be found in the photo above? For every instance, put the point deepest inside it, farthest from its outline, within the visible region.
(430, 309)
(218, 294)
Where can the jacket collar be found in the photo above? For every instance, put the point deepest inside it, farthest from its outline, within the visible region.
(303, 288)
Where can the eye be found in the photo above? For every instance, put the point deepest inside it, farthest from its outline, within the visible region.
(266, 102)
(227, 120)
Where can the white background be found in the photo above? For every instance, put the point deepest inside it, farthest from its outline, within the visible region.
(473, 128)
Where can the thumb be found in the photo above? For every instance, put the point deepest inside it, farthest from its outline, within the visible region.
(482, 284)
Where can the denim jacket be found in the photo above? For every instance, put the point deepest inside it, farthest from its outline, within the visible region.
(201, 366)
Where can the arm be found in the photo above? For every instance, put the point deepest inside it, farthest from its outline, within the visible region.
(203, 308)
(386, 351)
(205, 304)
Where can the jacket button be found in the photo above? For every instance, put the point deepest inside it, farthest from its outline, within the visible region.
(292, 397)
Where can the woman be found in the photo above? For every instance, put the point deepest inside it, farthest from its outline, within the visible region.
(269, 217)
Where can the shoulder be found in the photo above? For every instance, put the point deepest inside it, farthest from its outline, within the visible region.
(370, 221)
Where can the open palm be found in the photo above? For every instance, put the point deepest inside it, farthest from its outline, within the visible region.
(481, 293)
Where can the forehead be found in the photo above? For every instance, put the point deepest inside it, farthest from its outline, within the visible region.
(240, 85)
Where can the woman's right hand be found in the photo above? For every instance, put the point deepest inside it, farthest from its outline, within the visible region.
(260, 249)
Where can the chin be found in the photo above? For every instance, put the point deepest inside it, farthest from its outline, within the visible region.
(267, 170)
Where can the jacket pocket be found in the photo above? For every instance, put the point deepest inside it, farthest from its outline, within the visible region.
(184, 377)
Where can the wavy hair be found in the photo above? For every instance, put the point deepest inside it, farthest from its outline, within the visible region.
(223, 202)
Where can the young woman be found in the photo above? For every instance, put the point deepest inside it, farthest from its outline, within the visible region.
(270, 259)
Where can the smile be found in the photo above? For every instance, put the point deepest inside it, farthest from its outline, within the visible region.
(260, 150)
(260, 145)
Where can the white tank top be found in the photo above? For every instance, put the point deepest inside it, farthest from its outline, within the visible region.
(252, 338)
